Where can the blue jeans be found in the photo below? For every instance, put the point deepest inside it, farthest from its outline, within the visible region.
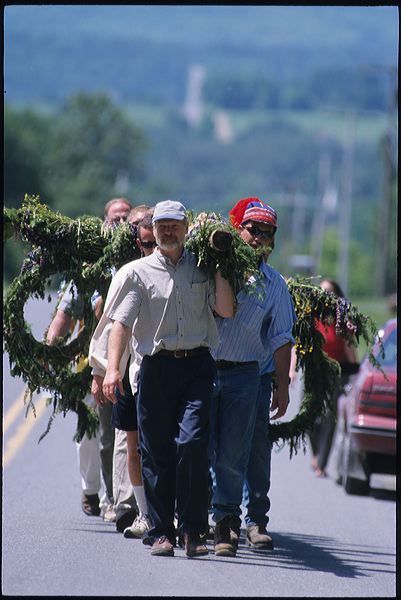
(257, 481)
(232, 423)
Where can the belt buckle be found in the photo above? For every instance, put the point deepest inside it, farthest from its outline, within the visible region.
(180, 353)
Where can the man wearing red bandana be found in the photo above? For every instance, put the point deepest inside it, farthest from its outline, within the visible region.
(253, 345)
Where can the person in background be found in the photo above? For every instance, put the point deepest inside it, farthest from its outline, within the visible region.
(116, 211)
(127, 478)
(125, 500)
(95, 454)
(166, 305)
(321, 436)
(119, 216)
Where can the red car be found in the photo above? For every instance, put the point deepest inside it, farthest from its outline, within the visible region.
(367, 418)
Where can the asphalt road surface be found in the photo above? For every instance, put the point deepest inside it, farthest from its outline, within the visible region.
(327, 544)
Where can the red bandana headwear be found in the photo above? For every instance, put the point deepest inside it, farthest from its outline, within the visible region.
(252, 209)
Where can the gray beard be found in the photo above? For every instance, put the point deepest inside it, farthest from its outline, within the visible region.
(168, 246)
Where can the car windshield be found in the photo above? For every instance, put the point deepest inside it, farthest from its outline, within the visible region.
(390, 351)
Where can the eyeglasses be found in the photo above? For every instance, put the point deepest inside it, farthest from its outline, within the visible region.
(148, 244)
(255, 231)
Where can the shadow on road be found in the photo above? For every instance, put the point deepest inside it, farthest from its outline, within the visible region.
(320, 553)
(294, 552)
(312, 553)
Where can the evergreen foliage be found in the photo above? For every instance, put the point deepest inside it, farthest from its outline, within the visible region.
(83, 251)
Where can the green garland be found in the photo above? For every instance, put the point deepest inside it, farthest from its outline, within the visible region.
(321, 373)
(84, 251)
(235, 263)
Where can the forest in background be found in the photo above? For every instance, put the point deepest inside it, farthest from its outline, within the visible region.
(272, 117)
(144, 53)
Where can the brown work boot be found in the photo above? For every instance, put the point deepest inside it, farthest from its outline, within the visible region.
(223, 545)
(258, 539)
(193, 545)
(234, 537)
(90, 504)
(162, 547)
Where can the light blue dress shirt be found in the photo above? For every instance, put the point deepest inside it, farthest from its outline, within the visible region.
(263, 322)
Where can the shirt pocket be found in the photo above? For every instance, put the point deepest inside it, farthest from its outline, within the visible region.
(251, 316)
(198, 297)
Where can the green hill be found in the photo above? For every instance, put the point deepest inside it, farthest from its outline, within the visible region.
(143, 53)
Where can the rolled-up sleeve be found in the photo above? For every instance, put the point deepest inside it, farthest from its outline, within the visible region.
(283, 319)
(71, 303)
(126, 303)
(98, 348)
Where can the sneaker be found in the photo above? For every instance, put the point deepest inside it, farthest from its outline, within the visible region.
(125, 520)
(90, 504)
(258, 539)
(162, 547)
(139, 527)
(223, 545)
(108, 513)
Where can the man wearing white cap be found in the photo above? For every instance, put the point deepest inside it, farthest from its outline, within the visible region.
(166, 303)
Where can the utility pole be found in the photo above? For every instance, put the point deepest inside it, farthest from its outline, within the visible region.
(386, 194)
(344, 222)
(384, 219)
(298, 220)
(319, 219)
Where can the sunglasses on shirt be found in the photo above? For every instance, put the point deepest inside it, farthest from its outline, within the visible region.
(255, 231)
(148, 244)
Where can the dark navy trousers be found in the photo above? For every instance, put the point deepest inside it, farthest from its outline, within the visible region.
(173, 420)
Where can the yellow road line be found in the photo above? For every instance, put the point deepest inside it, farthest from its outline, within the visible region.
(17, 440)
(14, 411)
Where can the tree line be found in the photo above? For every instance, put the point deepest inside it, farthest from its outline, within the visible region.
(362, 88)
(89, 150)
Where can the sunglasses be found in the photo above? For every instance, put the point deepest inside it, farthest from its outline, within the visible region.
(148, 244)
(255, 231)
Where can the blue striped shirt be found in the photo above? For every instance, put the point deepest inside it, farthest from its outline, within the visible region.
(262, 324)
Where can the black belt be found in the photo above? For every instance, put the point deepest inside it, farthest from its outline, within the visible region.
(230, 364)
(183, 353)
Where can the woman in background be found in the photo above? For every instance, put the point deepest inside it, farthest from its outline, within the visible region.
(321, 436)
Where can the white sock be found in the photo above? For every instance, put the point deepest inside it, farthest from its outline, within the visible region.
(139, 494)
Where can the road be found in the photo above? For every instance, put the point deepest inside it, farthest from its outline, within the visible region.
(327, 544)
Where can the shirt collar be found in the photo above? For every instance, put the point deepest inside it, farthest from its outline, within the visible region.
(266, 270)
(166, 261)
